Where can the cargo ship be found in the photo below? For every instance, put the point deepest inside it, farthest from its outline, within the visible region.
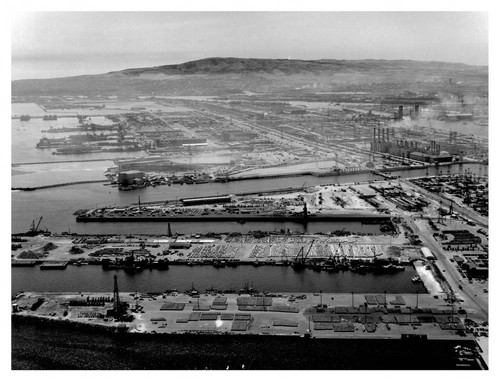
(451, 116)
(109, 218)
(25, 118)
(51, 143)
(24, 263)
(49, 117)
(77, 150)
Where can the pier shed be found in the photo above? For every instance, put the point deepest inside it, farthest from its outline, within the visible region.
(206, 200)
(428, 254)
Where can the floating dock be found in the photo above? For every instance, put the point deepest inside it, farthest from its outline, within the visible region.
(54, 265)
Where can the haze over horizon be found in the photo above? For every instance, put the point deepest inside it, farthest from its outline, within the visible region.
(59, 44)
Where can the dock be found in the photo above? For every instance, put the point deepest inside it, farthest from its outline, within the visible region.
(53, 265)
(321, 315)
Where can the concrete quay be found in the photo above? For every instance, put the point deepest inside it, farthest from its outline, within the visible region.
(378, 316)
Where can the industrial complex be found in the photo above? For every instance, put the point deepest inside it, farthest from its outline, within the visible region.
(365, 205)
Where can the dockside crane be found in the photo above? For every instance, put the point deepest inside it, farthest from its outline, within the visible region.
(309, 250)
(300, 259)
(34, 230)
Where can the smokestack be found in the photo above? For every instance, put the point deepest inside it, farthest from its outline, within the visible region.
(378, 135)
(438, 149)
(417, 109)
(400, 111)
(388, 139)
(374, 134)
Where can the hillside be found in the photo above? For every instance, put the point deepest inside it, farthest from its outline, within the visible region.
(217, 76)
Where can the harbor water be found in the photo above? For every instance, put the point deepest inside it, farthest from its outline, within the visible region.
(92, 278)
(57, 205)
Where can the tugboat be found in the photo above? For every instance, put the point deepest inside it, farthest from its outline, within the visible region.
(298, 265)
(248, 288)
(362, 269)
(316, 267)
(219, 263)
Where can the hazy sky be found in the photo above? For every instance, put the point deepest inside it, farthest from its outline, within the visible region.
(54, 44)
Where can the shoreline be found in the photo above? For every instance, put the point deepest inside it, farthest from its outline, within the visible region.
(40, 344)
(340, 172)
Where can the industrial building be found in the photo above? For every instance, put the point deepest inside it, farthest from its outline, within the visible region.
(130, 177)
(407, 149)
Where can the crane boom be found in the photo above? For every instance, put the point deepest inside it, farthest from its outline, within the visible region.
(38, 225)
(301, 251)
(309, 250)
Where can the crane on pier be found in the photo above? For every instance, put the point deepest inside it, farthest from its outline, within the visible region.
(300, 259)
(119, 311)
(33, 231)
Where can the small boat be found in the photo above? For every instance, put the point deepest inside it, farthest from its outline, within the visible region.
(219, 263)
(416, 279)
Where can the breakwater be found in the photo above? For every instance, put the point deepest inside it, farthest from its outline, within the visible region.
(58, 185)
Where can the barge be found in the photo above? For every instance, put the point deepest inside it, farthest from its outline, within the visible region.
(54, 265)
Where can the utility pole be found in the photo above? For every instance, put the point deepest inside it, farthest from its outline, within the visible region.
(116, 296)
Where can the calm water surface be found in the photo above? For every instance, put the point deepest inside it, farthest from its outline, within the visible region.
(264, 278)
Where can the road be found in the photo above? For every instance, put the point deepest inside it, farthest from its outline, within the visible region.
(478, 219)
(447, 268)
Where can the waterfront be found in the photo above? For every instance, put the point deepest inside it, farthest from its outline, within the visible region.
(250, 213)
(92, 278)
(60, 346)
(58, 205)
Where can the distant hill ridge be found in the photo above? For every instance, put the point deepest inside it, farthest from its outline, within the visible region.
(219, 76)
(231, 65)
